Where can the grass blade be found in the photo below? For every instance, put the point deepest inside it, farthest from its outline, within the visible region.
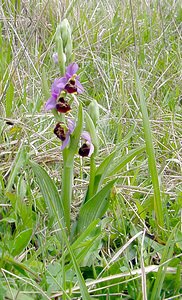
(9, 99)
(166, 255)
(151, 154)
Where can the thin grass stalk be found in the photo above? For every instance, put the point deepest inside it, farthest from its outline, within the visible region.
(143, 277)
(166, 255)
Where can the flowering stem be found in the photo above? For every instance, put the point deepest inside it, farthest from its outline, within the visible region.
(58, 117)
(92, 178)
(68, 164)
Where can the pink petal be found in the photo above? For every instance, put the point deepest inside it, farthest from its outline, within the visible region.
(66, 141)
(61, 83)
(54, 85)
(72, 69)
(79, 86)
(50, 104)
(86, 136)
(71, 125)
(91, 150)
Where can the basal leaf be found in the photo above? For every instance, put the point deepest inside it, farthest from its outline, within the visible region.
(21, 241)
(102, 170)
(48, 190)
(18, 163)
(94, 208)
(121, 162)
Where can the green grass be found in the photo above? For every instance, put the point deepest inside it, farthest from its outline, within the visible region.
(129, 54)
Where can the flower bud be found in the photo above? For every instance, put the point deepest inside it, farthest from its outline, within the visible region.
(93, 110)
(64, 31)
(64, 42)
(68, 49)
(61, 55)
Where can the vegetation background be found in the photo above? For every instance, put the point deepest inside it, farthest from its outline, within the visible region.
(128, 258)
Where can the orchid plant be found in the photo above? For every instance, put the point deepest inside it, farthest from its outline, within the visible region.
(77, 131)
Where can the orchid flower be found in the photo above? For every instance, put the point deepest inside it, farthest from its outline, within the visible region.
(73, 84)
(63, 132)
(56, 89)
(68, 84)
(87, 148)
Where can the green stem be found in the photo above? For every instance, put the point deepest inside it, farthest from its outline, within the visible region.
(67, 184)
(92, 178)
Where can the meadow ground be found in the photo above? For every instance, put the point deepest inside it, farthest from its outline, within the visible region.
(128, 239)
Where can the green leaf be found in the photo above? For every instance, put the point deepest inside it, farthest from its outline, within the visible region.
(18, 163)
(85, 251)
(94, 208)
(84, 235)
(48, 190)
(61, 55)
(45, 87)
(12, 294)
(150, 153)
(166, 255)
(2, 291)
(9, 99)
(120, 163)
(101, 171)
(75, 138)
(21, 241)
(53, 201)
(68, 164)
(93, 133)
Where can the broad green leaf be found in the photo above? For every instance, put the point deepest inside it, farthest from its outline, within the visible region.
(12, 294)
(120, 163)
(95, 207)
(98, 175)
(86, 249)
(2, 291)
(21, 210)
(125, 138)
(18, 163)
(101, 171)
(84, 235)
(48, 190)
(21, 241)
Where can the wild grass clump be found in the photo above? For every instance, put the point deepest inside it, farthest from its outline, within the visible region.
(94, 210)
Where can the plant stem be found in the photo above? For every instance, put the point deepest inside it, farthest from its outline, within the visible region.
(92, 178)
(67, 183)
